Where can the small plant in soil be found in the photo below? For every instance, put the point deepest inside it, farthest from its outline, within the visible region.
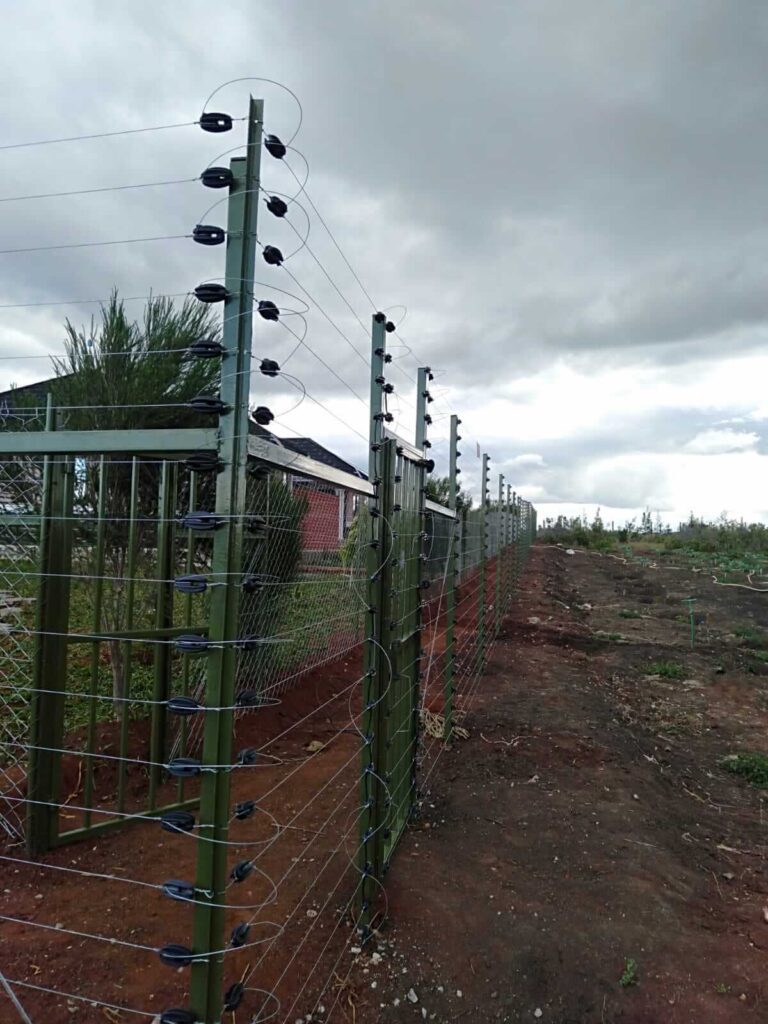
(751, 767)
(629, 977)
(629, 613)
(722, 989)
(752, 636)
(667, 670)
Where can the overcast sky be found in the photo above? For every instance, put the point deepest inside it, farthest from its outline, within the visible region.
(569, 197)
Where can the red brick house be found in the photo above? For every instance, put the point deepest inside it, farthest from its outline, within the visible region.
(330, 509)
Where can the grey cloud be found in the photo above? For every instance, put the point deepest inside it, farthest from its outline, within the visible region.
(535, 180)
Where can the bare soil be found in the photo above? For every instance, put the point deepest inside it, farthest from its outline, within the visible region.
(587, 821)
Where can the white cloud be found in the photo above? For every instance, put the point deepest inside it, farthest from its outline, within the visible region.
(718, 442)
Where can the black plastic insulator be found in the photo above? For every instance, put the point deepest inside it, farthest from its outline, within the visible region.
(247, 757)
(184, 767)
(268, 310)
(276, 206)
(427, 444)
(210, 405)
(428, 420)
(389, 327)
(244, 809)
(217, 177)
(249, 699)
(262, 415)
(205, 522)
(388, 417)
(184, 705)
(388, 389)
(190, 643)
(178, 890)
(204, 462)
(252, 584)
(249, 643)
(425, 584)
(233, 996)
(380, 318)
(239, 935)
(429, 465)
(205, 349)
(177, 821)
(175, 955)
(272, 255)
(215, 122)
(269, 367)
(241, 870)
(275, 147)
(191, 584)
(208, 234)
(255, 527)
(178, 1017)
(211, 291)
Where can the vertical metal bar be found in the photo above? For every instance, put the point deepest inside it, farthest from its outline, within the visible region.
(188, 606)
(508, 548)
(209, 921)
(39, 772)
(163, 620)
(96, 628)
(483, 555)
(377, 681)
(515, 540)
(130, 603)
(422, 396)
(50, 665)
(499, 556)
(451, 577)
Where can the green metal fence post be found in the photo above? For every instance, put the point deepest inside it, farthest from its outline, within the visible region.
(483, 544)
(499, 554)
(515, 541)
(212, 868)
(507, 548)
(51, 625)
(377, 680)
(163, 620)
(452, 573)
(412, 647)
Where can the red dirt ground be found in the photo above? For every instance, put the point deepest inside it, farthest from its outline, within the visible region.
(315, 796)
(586, 821)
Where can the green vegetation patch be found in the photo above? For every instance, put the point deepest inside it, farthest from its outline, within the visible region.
(629, 977)
(667, 669)
(751, 767)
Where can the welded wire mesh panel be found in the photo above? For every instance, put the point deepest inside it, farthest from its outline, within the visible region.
(438, 544)
(101, 714)
(305, 602)
(21, 492)
(402, 705)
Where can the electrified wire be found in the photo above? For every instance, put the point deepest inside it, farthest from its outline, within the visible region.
(92, 191)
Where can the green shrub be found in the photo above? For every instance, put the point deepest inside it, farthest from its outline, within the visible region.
(751, 767)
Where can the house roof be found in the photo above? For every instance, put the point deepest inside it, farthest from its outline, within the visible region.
(301, 445)
(27, 393)
(314, 450)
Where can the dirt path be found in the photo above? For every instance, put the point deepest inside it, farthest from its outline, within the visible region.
(586, 822)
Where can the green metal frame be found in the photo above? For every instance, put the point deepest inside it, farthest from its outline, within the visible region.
(454, 554)
(211, 876)
(483, 541)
